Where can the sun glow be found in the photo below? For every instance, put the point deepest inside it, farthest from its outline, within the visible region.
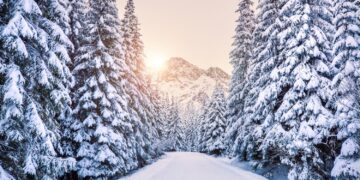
(155, 61)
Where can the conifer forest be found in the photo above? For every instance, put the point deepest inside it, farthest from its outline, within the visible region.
(77, 100)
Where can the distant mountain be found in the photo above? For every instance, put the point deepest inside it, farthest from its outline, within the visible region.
(189, 83)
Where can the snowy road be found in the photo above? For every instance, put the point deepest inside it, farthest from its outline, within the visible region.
(191, 166)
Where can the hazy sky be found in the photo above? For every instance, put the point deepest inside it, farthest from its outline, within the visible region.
(198, 30)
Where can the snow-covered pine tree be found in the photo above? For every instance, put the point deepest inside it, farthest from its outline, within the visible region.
(215, 124)
(160, 104)
(202, 127)
(192, 136)
(240, 59)
(102, 127)
(190, 127)
(3, 147)
(165, 105)
(77, 10)
(158, 112)
(346, 88)
(258, 109)
(175, 133)
(137, 87)
(165, 113)
(302, 125)
(33, 90)
(57, 11)
(133, 44)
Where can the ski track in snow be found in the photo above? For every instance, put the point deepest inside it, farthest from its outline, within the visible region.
(191, 166)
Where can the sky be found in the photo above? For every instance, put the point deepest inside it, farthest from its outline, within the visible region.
(199, 31)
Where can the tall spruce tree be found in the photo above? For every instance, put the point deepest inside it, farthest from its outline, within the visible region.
(240, 59)
(175, 133)
(33, 89)
(214, 124)
(77, 10)
(57, 11)
(137, 87)
(102, 127)
(202, 127)
(134, 47)
(165, 106)
(160, 104)
(345, 86)
(191, 126)
(302, 122)
(257, 108)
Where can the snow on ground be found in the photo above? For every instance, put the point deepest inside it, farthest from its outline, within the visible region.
(191, 166)
(275, 172)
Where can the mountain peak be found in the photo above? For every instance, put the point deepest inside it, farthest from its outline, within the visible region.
(189, 83)
(217, 73)
(177, 68)
(178, 60)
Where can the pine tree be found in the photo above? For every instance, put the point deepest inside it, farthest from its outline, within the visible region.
(345, 86)
(77, 11)
(202, 127)
(215, 124)
(240, 59)
(190, 127)
(57, 11)
(175, 132)
(257, 108)
(161, 109)
(138, 89)
(302, 122)
(33, 89)
(102, 127)
(165, 107)
(134, 47)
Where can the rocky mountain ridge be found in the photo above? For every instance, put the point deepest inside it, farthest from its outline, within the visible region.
(189, 83)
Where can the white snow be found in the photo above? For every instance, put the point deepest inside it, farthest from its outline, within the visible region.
(351, 167)
(192, 166)
(13, 92)
(349, 148)
(274, 172)
(3, 174)
(30, 166)
(35, 122)
(188, 83)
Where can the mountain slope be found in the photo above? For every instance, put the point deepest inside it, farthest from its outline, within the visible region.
(189, 83)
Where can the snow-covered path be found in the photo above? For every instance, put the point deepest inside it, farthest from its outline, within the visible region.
(191, 166)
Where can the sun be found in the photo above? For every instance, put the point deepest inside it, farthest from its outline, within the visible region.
(155, 61)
